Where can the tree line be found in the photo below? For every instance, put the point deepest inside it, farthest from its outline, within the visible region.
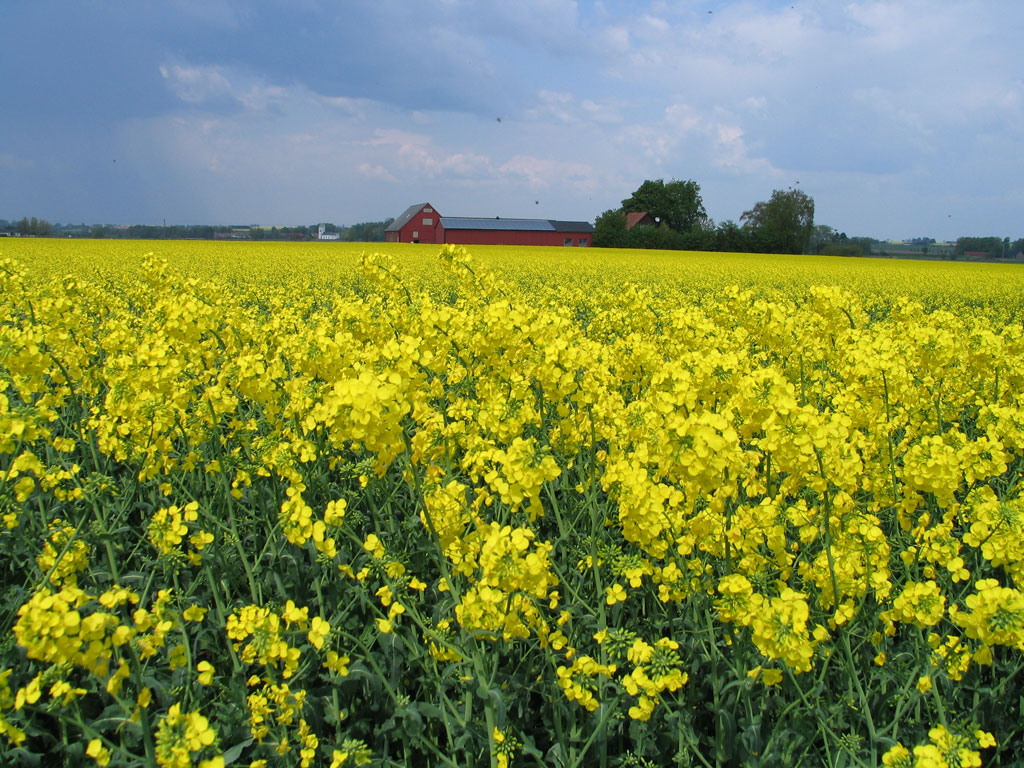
(28, 227)
(989, 247)
(369, 231)
(677, 220)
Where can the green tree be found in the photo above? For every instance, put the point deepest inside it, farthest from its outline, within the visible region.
(730, 236)
(867, 244)
(822, 235)
(659, 238)
(35, 227)
(783, 224)
(677, 204)
(368, 231)
(992, 246)
(610, 230)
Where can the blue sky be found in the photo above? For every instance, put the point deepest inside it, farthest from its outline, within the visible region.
(900, 118)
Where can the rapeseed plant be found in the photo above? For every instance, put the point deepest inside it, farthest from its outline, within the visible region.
(269, 505)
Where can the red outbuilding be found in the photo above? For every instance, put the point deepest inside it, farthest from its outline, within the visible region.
(421, 224)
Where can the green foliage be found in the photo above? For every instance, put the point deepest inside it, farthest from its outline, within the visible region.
(842, 250)
(783, 224)
(368, 231)
(867, 244)
(34, 227)
(677, 204)
(610, 230)
(992, 247)
(262, 412)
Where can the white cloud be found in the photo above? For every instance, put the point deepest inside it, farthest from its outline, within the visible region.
(755, 103)
(898, 26)
(380, 102)
(417, 154)
(614, 39)
(265, 98)
(732, 153)
(559, 106)
(376, 171)
(784, 34)
(654, 26)
(543, 172)
(563, 107)
(601, 113)
(533, 24)
(196, 84)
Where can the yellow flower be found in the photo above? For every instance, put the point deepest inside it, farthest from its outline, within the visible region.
(985, 739)
(640, 652)
(924, 683)
(179, 735)
(897, 756)
(318, 632)
(373, 545)
(334, 515)
(194, 613)
(206, 672)
(336, 663)
(353, 752)
(292, 614)
(98, 752)
(768, 677)
(643, 709)
(615, 594)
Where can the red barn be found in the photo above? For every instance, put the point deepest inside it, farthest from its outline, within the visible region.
(418, 224)
(640, 219)
(421, 224)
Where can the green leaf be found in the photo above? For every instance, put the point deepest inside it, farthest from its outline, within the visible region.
(230, 755)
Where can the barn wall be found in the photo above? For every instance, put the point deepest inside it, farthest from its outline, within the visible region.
(416, 230)
(510, 237)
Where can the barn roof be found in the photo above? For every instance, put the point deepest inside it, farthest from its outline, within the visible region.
(572, 226)
(520, 225)
(405, 218)
(637, 217)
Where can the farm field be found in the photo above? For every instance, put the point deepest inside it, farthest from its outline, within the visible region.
(335, 505)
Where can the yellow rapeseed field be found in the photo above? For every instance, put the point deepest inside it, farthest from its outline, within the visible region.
(330, 504)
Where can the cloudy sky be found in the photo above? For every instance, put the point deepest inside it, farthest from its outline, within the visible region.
(900, 118)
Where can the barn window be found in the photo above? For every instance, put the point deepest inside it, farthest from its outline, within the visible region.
(428, 222)
(428, 209)
(583, 242)
(415, 233)
(567, 242)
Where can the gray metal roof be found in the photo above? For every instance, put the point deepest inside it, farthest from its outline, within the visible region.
(520, 225)
(495, 224)
(405, 218)
(571, 226)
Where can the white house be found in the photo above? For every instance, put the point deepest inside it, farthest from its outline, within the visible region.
(323, 234)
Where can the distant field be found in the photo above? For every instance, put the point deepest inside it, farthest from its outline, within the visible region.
(391, 505)
(334, 264)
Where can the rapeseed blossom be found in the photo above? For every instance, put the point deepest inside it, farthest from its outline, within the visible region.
(416, 498)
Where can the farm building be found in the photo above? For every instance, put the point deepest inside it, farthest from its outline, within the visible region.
(421, 224)
(323, 234)
(640, 219)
